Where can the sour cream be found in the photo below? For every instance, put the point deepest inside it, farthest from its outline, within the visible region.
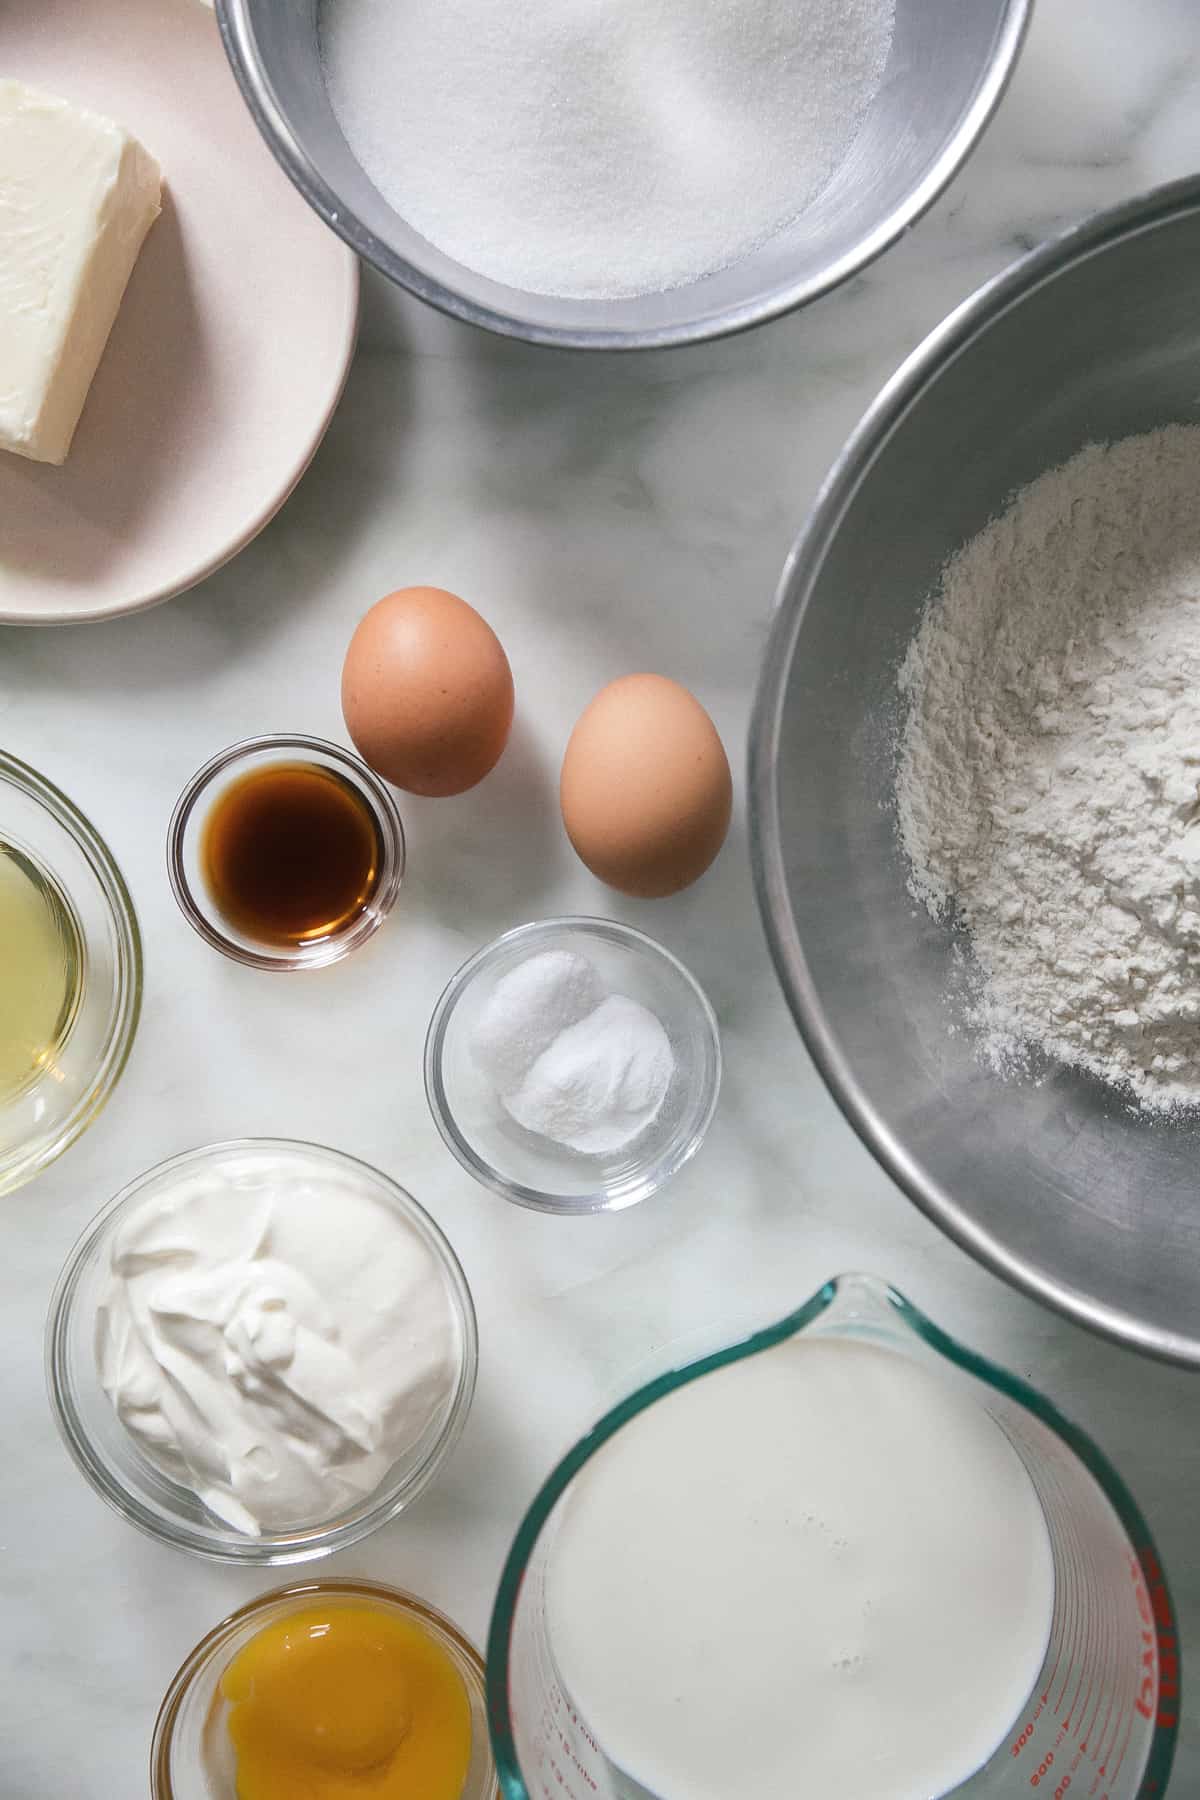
(276, 1335)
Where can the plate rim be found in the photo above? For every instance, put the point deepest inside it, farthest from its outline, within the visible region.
(155, 595)
(142, 596)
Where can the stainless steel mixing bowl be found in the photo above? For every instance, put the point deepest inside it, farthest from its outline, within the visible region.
(949, 63)
(1059, 1187)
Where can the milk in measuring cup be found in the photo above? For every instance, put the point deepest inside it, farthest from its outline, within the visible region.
(821, 1570)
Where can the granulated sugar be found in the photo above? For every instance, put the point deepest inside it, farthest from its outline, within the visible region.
(1048, 784)
(601, 147)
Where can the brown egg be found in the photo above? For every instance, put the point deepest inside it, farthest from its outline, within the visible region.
(645, 788)
(427, 692)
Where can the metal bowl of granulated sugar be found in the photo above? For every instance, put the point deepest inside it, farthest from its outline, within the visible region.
(1056, 1158)
(627, 173)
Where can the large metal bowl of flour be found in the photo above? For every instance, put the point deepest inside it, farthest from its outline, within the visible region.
(948, 66)
(1058, 1187)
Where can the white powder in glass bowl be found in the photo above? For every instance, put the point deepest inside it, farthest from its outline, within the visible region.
(588, 1071)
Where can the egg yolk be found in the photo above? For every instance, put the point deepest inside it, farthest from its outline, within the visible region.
(347, 1702)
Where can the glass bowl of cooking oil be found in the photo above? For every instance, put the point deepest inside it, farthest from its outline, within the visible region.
(70, 973)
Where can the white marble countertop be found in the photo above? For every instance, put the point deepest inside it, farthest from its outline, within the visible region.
(606, 514)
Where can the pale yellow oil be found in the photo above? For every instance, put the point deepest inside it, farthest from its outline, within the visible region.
(41, 973)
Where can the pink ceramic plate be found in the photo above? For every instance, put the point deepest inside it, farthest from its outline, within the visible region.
(231, 346)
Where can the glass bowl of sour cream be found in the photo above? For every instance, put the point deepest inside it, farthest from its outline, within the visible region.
(261, 1350)
(573, 1065)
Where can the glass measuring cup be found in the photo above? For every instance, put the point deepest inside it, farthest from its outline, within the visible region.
(1101, 1721)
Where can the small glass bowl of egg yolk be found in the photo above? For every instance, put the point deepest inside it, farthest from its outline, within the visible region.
(334, 1690)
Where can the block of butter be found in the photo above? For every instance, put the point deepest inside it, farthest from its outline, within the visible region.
(77, 197)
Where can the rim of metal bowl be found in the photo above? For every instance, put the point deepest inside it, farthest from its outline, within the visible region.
(241, 47)
(900, 394)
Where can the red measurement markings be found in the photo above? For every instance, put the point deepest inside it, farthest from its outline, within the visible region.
(1076, 1587)
(1103, 1676)
(1168, 1683)
(1021, 1739)
(565, 1781)
(1061, 1634)
(1143, 1623)
(1116, 1768)
(1112, 1679)
(1115, 1631)
(1144, 1570)
(1043, 1770)
(1071, 1573)
(571, 1751)
(1058, 1637)
(1167, 1707)
(1064, 1629)
(1087, 1648)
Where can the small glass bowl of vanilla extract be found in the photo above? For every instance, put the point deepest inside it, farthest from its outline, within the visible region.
(285, 852)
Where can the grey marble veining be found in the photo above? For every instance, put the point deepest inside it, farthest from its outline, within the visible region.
(605, 514)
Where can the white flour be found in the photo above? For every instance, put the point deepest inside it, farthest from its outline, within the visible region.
(1048, 784)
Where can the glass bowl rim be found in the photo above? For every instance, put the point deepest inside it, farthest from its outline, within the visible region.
(410, 1604)
(126, 1001)
(277, 1549)
(598, 1200)
(325, 951)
